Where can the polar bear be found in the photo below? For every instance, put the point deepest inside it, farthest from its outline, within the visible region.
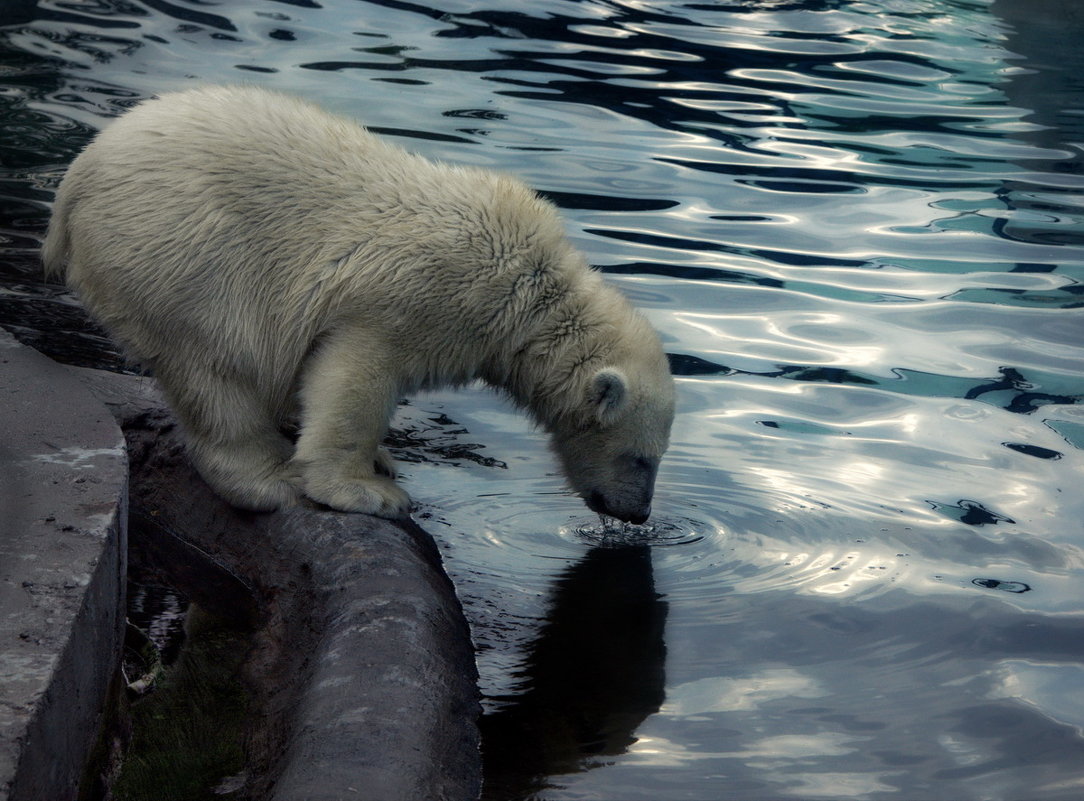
(266, 258)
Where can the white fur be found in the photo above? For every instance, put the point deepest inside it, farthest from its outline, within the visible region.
(255, 250)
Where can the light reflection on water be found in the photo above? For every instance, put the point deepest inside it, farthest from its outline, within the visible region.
(858, 228)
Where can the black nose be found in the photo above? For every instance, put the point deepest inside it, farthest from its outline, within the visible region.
(640, 516)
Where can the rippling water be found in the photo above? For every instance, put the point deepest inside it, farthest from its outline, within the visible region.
(859, 227)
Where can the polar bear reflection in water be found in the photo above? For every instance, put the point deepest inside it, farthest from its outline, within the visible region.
(268, 259)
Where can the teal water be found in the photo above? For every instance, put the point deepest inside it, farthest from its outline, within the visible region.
(859, 227)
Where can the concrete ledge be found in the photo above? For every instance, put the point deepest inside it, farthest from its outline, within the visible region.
(63, 486)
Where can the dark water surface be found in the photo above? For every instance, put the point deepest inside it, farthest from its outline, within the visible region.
(859, 227)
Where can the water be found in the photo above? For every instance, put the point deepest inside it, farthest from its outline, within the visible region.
(858, 227)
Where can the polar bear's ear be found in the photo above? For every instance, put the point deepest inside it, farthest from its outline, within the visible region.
(609, 393)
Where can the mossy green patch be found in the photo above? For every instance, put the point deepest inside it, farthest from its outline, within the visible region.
(188, 734)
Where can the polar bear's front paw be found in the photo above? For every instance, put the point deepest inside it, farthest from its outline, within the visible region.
(377, 495)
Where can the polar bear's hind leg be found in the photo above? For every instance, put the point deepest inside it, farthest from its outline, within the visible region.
(232, 438)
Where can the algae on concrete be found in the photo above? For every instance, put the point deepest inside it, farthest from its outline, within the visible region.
(188, 733)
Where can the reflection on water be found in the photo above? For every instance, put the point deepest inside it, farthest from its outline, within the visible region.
(592, 674)
(859, 228)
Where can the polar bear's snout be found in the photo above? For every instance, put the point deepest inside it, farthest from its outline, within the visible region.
(597, 502)
(630, 500)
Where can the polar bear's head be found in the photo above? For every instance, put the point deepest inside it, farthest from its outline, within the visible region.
(610, 451)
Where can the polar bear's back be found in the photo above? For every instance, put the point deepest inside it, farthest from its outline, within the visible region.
(233, 168)
(243, 220)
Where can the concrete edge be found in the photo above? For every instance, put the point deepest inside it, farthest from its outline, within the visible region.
(63, 551)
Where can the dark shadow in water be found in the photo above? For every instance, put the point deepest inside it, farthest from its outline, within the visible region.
(594, 673)
(1047, 35)
(1025, 400)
